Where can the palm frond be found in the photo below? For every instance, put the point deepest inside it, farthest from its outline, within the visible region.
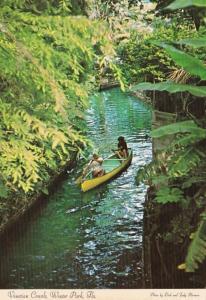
(179, 76)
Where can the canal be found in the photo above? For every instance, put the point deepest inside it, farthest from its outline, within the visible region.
(93, 239)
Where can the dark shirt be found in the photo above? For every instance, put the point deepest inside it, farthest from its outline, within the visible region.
(123, 145)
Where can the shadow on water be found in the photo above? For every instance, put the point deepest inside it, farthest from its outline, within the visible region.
(93, 239)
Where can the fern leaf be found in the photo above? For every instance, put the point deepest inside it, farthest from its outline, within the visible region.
(197, 249)
(169, 195)
(184, 162)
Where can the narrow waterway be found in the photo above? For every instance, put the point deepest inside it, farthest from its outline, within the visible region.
(93, 239)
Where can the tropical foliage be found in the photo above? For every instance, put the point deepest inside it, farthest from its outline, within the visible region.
(144, 60)
(50, 56)
(178, 172)
(192, 13)
(48, 65)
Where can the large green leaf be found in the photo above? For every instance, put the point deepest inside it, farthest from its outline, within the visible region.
(186, 3)
(194, 42)
(172, 88)
(182, 163)
(197, 250)
(189, 63)
(189, 139)
(179, 127)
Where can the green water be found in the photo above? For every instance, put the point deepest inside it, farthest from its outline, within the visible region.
(93, 239)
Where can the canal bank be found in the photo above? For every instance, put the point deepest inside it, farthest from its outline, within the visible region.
(169, 226)
(37, 200)
(94, 239)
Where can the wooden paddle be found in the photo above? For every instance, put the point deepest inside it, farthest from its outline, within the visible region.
(79, 179)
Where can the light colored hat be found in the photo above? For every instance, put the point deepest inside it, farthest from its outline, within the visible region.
(100, 159)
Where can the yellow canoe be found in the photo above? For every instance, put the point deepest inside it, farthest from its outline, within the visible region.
(113, 166)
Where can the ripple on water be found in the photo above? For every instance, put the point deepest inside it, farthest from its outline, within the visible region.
(94, 239)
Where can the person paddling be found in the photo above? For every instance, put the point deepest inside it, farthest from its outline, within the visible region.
(122, 151)
(95, 166)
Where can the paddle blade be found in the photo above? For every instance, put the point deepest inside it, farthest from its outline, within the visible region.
(78, 180)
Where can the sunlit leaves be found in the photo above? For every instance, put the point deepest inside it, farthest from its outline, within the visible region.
(46, 72)
(22, 147)
(20, 164)
(143, 60)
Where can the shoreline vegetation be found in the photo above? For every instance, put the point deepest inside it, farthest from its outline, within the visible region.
(37, 199)
(51, 61)
(54, 55)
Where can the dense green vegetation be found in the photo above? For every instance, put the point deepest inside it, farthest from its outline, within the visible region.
(176, 62)
(144, 60)
(49, 62)
(51, 58)
(167, 51)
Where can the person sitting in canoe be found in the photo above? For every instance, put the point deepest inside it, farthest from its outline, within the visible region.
(95, 166)
(122, 151)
